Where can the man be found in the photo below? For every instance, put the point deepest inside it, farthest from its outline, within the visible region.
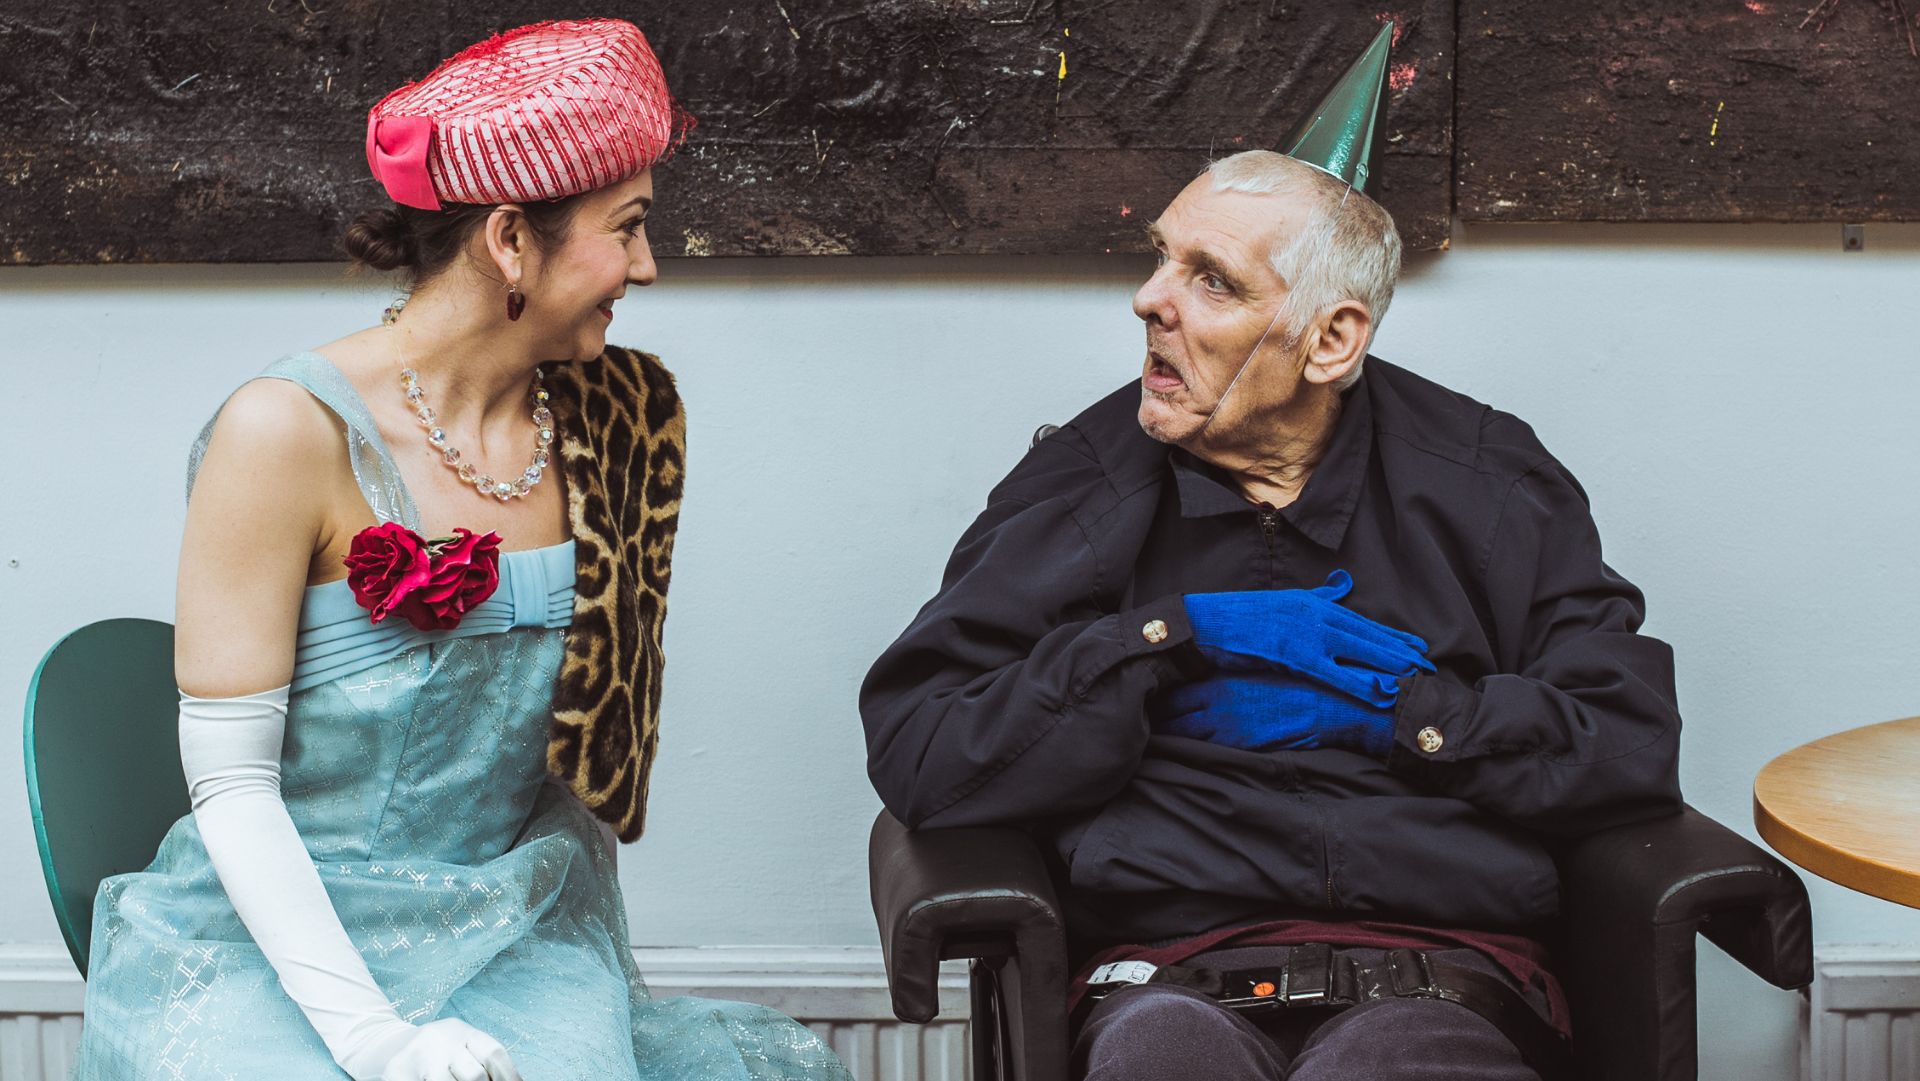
(1285, 645)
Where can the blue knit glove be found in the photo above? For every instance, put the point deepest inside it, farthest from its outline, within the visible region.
(1265, 711)
(1307, 632)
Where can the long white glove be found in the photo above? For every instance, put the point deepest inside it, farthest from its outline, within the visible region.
(230, 750)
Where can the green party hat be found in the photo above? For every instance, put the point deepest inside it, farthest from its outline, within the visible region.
(1340, 135)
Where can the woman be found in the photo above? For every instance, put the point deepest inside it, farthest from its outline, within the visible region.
(423, 576)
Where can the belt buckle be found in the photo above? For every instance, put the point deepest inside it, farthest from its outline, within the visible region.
(1410, 975)
(1116, 975)
(1309, 976)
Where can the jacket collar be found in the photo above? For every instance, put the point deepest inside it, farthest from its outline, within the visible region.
(1326, 505)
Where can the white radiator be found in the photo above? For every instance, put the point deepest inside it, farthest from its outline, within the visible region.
(840, 993)
(1864, 1008)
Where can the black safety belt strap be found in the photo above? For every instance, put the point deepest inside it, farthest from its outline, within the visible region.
(1315, 977)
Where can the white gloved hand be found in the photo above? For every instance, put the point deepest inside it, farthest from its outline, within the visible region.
(450, 1048)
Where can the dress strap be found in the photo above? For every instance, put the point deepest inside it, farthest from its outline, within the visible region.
(373, 465)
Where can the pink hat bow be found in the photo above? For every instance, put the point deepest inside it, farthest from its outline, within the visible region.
(397, 148)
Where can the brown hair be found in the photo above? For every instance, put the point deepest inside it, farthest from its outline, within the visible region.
(425, 243)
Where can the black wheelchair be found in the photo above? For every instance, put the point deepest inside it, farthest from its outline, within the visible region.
(1633, 899)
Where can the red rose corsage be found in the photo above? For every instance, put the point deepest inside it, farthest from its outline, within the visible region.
(430, 583)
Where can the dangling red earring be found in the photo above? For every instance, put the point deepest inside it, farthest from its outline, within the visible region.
(516, 303)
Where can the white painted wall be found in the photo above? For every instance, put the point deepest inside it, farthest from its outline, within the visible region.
(1739, 401)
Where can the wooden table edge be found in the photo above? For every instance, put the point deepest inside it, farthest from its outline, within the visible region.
(1835, 865)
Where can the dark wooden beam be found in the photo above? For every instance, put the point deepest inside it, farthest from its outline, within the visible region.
(1688, 110)
(154, 131)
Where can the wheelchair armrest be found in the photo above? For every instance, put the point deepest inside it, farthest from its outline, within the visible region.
(1690, 869)
(1635, 896)
(945, 893)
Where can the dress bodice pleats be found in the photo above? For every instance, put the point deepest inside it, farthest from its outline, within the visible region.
(338, 636)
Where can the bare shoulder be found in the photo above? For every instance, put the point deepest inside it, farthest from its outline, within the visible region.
(275, 421)
(276, 454)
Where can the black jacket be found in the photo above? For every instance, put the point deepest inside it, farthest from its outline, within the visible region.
(1022, 692)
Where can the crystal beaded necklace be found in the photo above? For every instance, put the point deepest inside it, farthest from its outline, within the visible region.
(482, 483)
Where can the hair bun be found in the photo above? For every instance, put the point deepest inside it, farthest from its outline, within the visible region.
(381, 239)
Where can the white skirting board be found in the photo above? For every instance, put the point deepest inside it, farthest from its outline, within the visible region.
(839, 992)
(1864, 1014)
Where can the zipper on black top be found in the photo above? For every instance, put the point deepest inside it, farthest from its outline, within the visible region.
(1269, 517)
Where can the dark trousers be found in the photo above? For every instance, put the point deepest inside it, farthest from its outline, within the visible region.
(1162, 1033)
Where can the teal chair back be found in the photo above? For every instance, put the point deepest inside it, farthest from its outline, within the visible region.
(103, 761)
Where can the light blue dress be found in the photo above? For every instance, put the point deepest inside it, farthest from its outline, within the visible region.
(415, 770)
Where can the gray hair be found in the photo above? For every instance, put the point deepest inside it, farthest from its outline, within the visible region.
(1347, 249)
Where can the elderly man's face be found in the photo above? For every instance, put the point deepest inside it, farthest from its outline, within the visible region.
(1215, 293)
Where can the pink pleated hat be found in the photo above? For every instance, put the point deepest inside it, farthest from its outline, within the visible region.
(542, 112)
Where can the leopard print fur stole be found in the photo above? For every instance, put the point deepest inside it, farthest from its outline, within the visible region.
(622, 437)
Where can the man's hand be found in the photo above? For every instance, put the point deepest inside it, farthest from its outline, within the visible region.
(1267, 711)
(1307, 632)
